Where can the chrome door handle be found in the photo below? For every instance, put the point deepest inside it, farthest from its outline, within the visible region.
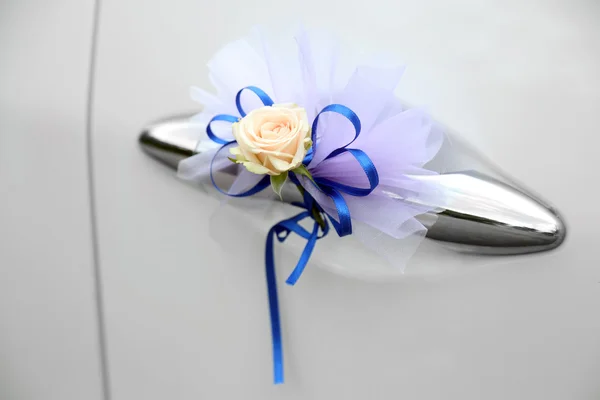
(481, 214)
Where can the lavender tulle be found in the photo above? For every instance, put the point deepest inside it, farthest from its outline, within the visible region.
(308, 70)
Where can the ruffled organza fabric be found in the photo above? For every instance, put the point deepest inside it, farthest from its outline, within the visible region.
(313, 71)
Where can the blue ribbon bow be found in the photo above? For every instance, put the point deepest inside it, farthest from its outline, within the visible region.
(334, 190)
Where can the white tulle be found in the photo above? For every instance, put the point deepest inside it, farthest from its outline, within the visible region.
(312, 70)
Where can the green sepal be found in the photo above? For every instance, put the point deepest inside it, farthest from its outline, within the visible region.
(301, 170)
(277, 182)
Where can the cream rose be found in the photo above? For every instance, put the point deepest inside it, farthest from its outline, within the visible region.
(272, 140)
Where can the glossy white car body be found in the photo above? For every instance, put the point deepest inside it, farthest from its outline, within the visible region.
(114, 283)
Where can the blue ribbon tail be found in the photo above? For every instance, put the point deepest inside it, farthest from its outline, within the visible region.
(274, 307)
(281, 232)
(304, 257)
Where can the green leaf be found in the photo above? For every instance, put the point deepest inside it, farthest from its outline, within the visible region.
(301, 170)
(277, 182)
(233, 160)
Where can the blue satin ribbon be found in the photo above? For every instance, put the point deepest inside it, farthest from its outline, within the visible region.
(259, 92)
(334, 190)
(220, 117)
(261, 185)
(281, 231)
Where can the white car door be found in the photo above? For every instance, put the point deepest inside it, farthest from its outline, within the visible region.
(49, 331)
(182, 302)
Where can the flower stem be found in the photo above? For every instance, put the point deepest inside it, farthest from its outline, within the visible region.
(316, 214)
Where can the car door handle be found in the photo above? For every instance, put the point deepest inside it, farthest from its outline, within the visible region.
(480, 213)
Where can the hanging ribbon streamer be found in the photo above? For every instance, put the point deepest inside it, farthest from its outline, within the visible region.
(281, 231)
(334, 190)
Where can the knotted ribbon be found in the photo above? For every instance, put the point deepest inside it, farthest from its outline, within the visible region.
(333, 190)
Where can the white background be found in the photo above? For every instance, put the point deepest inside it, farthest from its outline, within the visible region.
(185, 319)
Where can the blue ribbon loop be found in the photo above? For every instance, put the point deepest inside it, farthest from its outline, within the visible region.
(259, 92)
(334, 190)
